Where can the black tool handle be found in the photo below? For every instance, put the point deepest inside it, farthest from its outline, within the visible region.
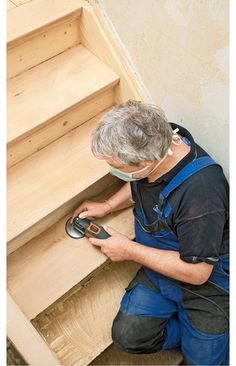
(96, 231)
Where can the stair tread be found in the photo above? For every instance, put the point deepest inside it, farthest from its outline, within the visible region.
(49, 89)
(43, 12)
(78, 328)
(49, 265)
(52, 176)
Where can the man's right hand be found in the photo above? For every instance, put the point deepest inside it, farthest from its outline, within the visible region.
(92, 210)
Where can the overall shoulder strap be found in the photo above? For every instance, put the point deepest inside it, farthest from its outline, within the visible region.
(190, 169)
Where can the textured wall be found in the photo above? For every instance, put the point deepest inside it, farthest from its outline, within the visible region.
(180, 51)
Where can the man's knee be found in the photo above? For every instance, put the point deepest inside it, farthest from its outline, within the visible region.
(138, 334)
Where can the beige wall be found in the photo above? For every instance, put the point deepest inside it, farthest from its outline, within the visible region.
(179, 48)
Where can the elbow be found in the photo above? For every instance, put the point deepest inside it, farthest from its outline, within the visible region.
(196, 281)
(199, 279)
(199, 273)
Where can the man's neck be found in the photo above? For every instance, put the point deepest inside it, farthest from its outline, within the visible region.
(179, 152)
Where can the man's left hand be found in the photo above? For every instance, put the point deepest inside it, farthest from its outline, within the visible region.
(117, 247)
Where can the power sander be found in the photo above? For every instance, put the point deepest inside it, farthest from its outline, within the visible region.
(79, 228)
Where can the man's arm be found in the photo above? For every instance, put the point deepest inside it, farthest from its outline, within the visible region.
(169, 264)
(120, 248)
(92, 210)
(121, 199)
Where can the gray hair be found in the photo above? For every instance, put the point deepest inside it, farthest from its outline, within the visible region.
(132, 132)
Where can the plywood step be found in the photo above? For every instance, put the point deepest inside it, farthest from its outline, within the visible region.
(78, 328)
(51, 179)
(19, 150)
(44, 13)
(52, 90)
(40, 30)
(47, 267)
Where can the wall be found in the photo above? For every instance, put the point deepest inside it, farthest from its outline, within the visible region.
(179, 49)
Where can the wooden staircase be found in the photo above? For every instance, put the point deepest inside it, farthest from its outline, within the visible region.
(65, 71)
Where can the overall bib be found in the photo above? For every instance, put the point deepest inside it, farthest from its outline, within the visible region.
(194, 321)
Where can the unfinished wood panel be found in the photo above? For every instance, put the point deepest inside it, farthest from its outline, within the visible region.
(44, 13)
(60, 126)
(10, 5)
(49, 89)
(55, 259)
(42, 47)
(57, 214)
(26, 339)
(48, 179)
(113, 356)
(106, 48)
(79, 328)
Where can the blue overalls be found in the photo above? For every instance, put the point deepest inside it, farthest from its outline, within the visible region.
(198, 347)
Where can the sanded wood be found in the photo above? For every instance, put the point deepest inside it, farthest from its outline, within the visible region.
(35, 16)
(55, 259)
(113, 356)
(26, 339)
(49, 89)
(106, 48)
(49, 220)
(51, 42)
(79, 328)
(51, 177)
(10, 5)
(58, 127)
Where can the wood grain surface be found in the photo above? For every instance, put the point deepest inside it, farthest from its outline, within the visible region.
(78, 329)
(50, 178)
(42, 47)
(40, 94)
(34, 16)
(47, 267)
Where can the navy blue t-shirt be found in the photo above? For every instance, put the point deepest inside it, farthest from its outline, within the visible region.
(200, 207)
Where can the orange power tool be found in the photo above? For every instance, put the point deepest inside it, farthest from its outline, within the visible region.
(83, 227)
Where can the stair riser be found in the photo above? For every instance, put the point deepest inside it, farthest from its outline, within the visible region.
(73, 327)
(57, 214)
(36, 140)
(43, 46)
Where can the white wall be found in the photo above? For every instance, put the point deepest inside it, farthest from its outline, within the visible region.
(180, 50)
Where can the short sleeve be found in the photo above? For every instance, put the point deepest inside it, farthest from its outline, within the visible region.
(200, 220)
